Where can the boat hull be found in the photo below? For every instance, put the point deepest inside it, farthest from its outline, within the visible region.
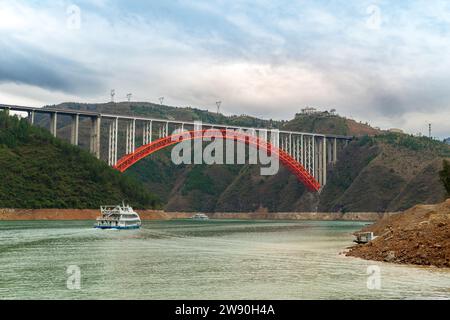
(117, 227)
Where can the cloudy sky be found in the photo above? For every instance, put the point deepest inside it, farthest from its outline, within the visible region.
(384, 62)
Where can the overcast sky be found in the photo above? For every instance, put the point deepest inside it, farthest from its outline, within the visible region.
(384, 62)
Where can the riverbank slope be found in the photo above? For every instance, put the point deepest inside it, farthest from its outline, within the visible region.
(91, 214)
(420, 235)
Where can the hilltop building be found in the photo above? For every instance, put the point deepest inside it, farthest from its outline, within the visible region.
(309, 110)
(396, 130)
(313, 111)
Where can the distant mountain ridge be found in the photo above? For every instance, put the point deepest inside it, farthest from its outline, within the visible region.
(378, 171)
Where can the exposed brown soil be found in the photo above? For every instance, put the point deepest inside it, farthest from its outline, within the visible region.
(360, 129)
(91, 214)
(420, 235)
(78, 214)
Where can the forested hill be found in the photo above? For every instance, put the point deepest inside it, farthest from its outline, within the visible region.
(40, 171)
(378, 171)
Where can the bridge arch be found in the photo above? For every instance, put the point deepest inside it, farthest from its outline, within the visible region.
(286, 160)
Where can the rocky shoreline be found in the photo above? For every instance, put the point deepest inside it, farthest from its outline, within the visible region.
(91, 214)
(420, 236)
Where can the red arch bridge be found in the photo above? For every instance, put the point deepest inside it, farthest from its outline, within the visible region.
(307, 155)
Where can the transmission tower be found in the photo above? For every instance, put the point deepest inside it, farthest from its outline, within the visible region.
(161, 99)
(113, 93)
(218, 103)
(129, 97)
(429, 130)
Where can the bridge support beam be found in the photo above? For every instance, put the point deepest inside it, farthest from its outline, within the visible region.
(130, 136)
(31, 117)
(319, 160)
(95, 136)
(112, 145)
(335, 150)
(74, 131)
(324, 161)
(53, 122)
(147, 133)
(329, 152)
(314, 158)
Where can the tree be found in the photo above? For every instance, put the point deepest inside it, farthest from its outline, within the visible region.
(445, 176)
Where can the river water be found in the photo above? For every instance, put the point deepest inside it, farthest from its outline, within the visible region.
(214, 259)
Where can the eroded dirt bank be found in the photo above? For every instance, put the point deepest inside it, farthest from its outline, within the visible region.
(76, 214)
(420, 235)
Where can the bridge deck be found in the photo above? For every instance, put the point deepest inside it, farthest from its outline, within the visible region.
(140, 118)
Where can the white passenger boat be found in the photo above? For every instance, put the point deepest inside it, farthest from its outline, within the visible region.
(118, 217)
(200, 216)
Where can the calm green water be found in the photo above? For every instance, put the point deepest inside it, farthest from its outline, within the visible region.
(200, 260)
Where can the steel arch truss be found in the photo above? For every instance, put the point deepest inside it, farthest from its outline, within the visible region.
(252, 140)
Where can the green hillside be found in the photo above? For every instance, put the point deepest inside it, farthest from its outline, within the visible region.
(39, 171)
(378, 171)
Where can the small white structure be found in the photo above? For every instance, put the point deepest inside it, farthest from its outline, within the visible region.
(309, 110)
(396, 130)
(364, 237)
(200, 216)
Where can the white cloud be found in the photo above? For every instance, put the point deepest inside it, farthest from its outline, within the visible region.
(263, 58)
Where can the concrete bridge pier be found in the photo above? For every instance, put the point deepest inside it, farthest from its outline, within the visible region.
(74, 129)
(324, 161)
(112, 145)
(147, 133)
(31, 117)
(334, 150)
(53, 122)
(95, 136)
(130, 136)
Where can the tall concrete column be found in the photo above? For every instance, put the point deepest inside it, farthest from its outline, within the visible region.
(95, 136)
(110, 144)
(112, 147)
(31, 117)
(150, 132)
(302, 150)
(130, 142)
(115, 140)
(329, 152)
(335, 150)
(290, 145)
(53, 122)
(319, 160)
(324, 161)
(145, 133)
(314, 166)
(74, 131)
(133, 135)
(308, 153)
(127, 139)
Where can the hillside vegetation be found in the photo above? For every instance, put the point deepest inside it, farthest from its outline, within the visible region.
(445, 176)
(40, 171)
(377, 171)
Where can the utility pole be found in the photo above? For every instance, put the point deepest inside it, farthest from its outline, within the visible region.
(129, 97)
(218, 103)
(113, 93)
